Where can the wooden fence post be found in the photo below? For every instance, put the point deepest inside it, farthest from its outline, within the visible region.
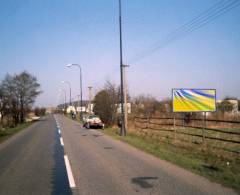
(174, 126)
(183, 122)
(134, 123)
(148, 125)
(203, 127)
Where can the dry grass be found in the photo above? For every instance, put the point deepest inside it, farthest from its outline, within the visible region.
(197, 158)
(197, 138)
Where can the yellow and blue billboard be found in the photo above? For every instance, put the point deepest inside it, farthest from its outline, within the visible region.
(194, 100)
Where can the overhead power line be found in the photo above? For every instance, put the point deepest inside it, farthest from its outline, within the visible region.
(199, 21)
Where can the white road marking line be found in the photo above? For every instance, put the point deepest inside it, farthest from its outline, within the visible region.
(69, 172)
(61, 140)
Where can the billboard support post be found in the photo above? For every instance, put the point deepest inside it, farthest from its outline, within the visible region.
(174, 125)
(203, 127)
(183, 125)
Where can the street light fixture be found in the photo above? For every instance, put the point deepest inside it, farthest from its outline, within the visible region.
(80, 78)
(70, 93)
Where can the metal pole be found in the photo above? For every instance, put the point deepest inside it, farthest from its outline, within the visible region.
(123, 130)
(65, 99)
(204, 126)
(125, 99)
(174, 125)
(80, 78)
(125, 96)
(80, 92)
(90, 99)
(78, 96)
(70, 93)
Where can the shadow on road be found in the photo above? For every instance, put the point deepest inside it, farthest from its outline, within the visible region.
(108, 148)
(42, 119)
(143, 182)
(60, 184)
(96, 135)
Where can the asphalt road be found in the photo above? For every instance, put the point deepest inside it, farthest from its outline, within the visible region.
(33, 162)
(102, 165)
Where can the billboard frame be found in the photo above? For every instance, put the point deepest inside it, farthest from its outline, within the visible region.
(215, 100)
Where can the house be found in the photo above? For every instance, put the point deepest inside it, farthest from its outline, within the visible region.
(233, 109)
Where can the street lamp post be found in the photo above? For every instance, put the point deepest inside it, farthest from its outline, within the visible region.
(65, 98)
(70, 91)
(80, 78)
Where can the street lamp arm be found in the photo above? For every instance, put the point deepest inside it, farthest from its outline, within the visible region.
(69, 65)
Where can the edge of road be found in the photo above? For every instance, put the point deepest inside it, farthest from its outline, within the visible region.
(17, 134)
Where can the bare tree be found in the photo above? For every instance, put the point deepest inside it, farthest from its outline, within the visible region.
(1, 106)
(27, 89)
(106, 102)
(17, 94)
(146, 105)
(39, 111)
(10, 100)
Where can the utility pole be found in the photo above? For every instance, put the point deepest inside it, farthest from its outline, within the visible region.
(78, 96)
(123, 129)
(125, 96)
(90, 99)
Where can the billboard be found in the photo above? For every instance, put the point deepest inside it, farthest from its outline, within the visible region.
(194, 100)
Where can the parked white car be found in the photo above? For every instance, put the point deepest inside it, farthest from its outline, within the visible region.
(93, 121)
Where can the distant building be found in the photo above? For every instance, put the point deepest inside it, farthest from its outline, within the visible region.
(79, 109)
(234, 104)
(71, 109)
(128, 108)
(90, 108)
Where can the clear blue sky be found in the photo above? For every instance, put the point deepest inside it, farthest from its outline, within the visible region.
(42, 36)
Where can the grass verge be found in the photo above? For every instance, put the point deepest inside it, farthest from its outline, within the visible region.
(7, 133)
(226, 172)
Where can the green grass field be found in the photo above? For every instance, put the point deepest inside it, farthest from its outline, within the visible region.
(202, 162)
(8, 132)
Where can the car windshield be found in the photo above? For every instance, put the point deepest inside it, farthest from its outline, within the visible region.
(93, 116)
